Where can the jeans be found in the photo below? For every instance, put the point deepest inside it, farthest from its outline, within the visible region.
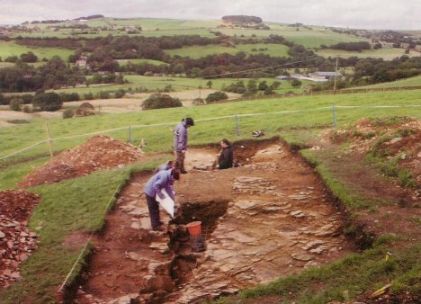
(153, 207)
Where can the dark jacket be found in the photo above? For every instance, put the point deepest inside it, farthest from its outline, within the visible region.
(226, 158)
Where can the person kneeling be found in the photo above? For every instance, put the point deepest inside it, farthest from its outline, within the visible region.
(162, 180)
(226, 156)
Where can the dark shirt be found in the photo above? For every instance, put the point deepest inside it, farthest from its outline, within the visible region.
(226, 158)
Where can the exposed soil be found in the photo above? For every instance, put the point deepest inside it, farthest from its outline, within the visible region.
(99, 152)
(267, 218)
(16, 241)
(395, 209)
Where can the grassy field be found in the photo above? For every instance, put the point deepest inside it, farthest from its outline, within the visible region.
(385, 53)
(124, 62)
(407, 82)
(275, 50)
(178, 84)
(10, 48)
(312, 112)
(310, 37)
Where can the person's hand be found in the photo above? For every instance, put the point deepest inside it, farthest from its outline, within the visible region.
(183, 151)
(161, 195)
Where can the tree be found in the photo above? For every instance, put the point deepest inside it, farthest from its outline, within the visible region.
(47, 102)
(216, 96)
(160, 101)
(29, 57)
(252, 86)
(263, 85)
(275, 85)
(209, 84)
(296, 83)
(15, 104)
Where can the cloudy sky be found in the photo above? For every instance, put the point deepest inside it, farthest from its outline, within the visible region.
(381, 14)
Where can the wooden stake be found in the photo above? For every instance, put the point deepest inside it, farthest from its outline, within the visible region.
(50, 146)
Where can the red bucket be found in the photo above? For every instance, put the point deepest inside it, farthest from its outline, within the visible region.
(195, 228)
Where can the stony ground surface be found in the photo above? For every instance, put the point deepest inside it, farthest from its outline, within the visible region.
(16, 241)
(269, 218)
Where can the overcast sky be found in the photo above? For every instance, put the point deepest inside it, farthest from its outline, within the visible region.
(381, 14)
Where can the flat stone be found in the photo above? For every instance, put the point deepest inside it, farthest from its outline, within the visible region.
(245, 204)
(134, 256)
(297, 214)
(162, 247)
(301, 257)
(136, 226)
(395, 140)
(127, 299)
(2, 235)
(313, 244)
(240, 237)
(318, 250)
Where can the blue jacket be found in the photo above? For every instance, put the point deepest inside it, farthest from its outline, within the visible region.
(180, 137)
(159, 181)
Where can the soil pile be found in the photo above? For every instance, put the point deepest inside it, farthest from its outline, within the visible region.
(16, 241)
(99, 152)
(396, 139)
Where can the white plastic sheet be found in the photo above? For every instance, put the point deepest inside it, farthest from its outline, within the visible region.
(167, 203)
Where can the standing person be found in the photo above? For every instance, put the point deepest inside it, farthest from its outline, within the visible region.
(180, 142)
(226, 156)
(163, 179)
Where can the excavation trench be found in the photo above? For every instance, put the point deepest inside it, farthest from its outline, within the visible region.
(269, 217)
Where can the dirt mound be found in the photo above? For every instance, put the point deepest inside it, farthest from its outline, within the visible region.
(16, 241)
(99, 152)
(396, 140)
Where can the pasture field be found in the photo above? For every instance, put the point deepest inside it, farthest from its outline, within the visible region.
(407, 82)
(178, 84)
(385, 53)
(274, 50)
(10, 48)
(124, 62)
(311, 37)
(304, 112)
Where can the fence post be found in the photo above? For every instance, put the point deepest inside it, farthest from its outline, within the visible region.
(334, 115)
(49, 143)
(130, 135)
(237, 125)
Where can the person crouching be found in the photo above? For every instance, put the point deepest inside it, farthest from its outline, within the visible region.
(163, 179)
(226, 156)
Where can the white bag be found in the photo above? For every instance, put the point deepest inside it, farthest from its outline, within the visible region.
(167, 203)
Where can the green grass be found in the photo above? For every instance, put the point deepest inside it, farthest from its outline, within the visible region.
(160, 138)
(407, 82)
(124, 62)
(152, 27)
(344, 280)
(86, 199)
(10, 48)
(385, 53)
(274, 50)
(153, 83)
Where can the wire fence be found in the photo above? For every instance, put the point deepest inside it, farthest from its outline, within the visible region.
(233, 125)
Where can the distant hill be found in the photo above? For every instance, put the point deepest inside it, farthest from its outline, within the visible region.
(98, 16)
(242, 19)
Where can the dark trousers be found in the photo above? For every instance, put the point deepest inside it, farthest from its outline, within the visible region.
(179, 162)
(153, 207)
